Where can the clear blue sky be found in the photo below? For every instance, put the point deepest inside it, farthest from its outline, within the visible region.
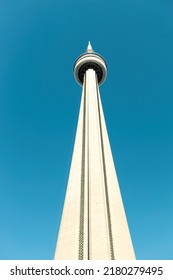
(39, 104)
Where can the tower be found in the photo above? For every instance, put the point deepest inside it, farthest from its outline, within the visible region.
(93, 224)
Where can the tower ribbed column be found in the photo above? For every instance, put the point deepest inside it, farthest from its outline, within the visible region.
(93, 224)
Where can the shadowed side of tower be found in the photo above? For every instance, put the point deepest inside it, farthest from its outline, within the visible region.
(93, 224)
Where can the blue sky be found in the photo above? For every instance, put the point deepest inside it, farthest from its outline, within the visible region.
(39, 105)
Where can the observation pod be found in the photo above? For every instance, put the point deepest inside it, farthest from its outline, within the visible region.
(90, 60)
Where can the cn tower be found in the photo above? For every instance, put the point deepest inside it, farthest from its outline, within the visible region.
(93, 224)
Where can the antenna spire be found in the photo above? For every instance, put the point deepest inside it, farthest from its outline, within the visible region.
(89, 48)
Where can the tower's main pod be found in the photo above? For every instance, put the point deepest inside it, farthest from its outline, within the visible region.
(93, 224)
